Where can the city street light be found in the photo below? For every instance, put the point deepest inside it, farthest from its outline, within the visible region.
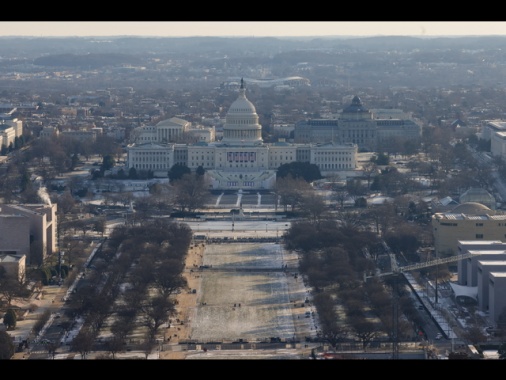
(60, 254)
(437, 274)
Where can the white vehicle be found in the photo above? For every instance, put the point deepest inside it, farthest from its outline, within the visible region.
(438, 336)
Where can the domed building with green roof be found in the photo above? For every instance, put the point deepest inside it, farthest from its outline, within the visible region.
(369, 129)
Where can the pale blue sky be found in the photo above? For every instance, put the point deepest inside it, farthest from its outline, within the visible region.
(250, 28)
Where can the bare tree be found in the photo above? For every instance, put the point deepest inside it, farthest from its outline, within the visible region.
(122, 326)
(332, 330)
(351, 219)
(291, 191)
(365, 330)
(313, 207)
(100, 225)
(125, 198)
(148, 344)
(383, 216)
(134, 298)
(168, 278)
(369, 169)
(474, 334)
(157, 310)
(83, 342)
(71, 247)
(340, 196)
(142, 274)
(114, 345)
(11, 288)
(51, 347)
(191, 192)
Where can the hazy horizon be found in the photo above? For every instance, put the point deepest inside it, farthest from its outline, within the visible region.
(250, 28)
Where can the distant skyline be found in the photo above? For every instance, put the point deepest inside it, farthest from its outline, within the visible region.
(250, 28)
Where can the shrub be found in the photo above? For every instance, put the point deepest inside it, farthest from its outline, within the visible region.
(10, 319)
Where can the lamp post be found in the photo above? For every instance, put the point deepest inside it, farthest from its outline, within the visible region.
(437, 274)
(453, 339)
(60, 254)
(68, 247)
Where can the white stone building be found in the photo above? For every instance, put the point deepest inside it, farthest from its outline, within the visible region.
(369, 129)
(10, 128)
(482, 275)
(490, 127)
(165, 131)
(14, 265)
(498, 144)
(240, 160)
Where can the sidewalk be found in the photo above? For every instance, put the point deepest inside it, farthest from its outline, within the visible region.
(49, 299)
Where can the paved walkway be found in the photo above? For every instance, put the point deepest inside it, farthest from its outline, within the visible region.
(49, 299)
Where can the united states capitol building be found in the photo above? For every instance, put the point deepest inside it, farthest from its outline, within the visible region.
(240, 160)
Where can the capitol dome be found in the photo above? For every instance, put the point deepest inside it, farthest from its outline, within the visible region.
(241, 122)
(242, 105)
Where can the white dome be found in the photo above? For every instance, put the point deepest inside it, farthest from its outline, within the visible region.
(472, 208)
(242, 105)
(241, 122)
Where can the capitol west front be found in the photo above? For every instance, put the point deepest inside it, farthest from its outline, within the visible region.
(240, 160)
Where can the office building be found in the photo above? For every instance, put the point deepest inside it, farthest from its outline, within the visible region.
(467, 221)
(28, 229)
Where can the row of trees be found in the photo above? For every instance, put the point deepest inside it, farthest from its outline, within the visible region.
(335, 257)
(150, 258)
(49, 158)
(337, 249)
